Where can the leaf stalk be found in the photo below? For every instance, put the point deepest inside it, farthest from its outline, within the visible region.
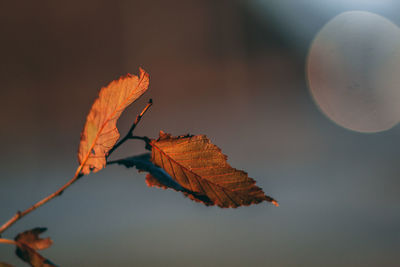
(130, 135)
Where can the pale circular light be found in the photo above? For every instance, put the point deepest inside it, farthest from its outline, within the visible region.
(353, 71)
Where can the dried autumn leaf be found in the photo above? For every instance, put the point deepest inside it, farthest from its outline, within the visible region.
(28, 242)
(100, 132)
(32, 239)
(200, 167)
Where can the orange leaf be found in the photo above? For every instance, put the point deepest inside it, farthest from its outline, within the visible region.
(27, 244)
(200, 167)
(100, 132)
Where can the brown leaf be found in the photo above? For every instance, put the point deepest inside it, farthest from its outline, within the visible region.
(100, 132)
(32, 239)
(3, 264)
(28, 242)
(200, 167)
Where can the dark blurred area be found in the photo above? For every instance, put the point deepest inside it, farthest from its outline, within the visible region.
(233, 70)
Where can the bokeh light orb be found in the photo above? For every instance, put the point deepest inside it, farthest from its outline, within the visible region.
(353, 71)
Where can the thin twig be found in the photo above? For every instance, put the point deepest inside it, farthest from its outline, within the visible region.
(20, 214)
(8, 241)
(77, 175)
(129, 135)
(145, 139)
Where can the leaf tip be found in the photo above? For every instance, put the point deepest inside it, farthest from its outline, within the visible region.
(276, 204)
(143, 72)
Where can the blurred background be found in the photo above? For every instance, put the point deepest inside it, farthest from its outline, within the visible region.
(237, 71)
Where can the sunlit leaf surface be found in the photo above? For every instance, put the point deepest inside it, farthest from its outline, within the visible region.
(199, 166)
(100, 132)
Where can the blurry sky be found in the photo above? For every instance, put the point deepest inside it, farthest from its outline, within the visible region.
(233, 70)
